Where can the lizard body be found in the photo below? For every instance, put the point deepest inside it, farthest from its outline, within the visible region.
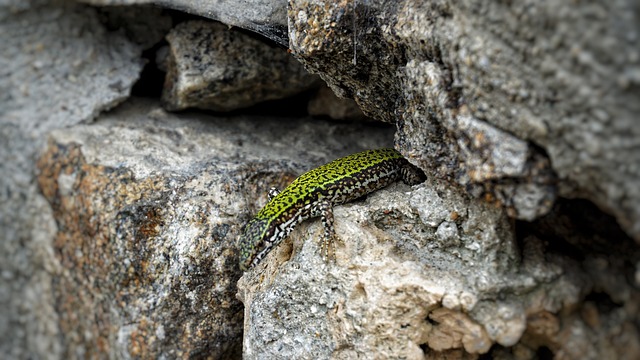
(314, 194)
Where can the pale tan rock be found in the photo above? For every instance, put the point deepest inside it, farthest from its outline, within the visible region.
(386, 292)
(454, 330)
(396, 286)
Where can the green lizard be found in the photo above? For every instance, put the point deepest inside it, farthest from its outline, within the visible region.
(315, 192)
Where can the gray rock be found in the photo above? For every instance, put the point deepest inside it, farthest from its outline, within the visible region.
(213, 67)
(427, 271)
(149, 206)
(143, 25)
(266, 17)
(326, 103)
(555, 78)
(59, 67)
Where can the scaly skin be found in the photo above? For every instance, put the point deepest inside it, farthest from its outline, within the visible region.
(315, 193)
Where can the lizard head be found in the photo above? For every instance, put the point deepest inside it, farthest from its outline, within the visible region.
(253, 246)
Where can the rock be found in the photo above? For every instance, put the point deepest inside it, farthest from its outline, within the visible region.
(60, 67)
(556, 79)
(121, 242)
(213, 67)
(326, 103)
(266, 17)
(601, 325)
(143, 25)
(398, 289)
(373, 300)
(149, 206)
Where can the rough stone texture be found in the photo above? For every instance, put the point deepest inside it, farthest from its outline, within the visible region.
(143, 25)
(427, 272)
(548, 87)
(213, 67)
(149, 207)
(133, 254)
(58, 67)
(326, 103)
(266, 17)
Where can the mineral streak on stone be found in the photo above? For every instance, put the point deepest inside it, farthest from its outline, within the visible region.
(213, 67)
(554, 79)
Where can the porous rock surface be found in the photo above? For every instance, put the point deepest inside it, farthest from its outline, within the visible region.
(210, 66)
(428, 272)
(500, 97)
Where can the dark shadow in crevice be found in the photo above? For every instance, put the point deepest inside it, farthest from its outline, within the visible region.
(577, 228)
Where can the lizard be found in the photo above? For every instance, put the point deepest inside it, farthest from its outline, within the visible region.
(316, 192)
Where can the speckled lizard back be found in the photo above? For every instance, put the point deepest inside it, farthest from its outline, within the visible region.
(316, 191)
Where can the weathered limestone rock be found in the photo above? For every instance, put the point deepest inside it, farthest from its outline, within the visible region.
(266, 17)
(551, 87)
(59, 67)
(429, 271)
(149, 206)
(213, 67)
